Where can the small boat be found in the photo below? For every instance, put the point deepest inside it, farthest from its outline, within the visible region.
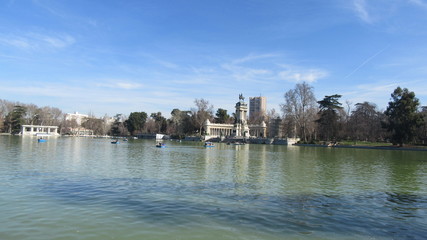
(41, 140)
(115, 142)
(209, 144)
(160, 145)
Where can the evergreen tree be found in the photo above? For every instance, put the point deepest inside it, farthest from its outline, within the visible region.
(221, 116)
(403, 116)
(161, 123)
(118, 128)
(135, 122)
(328, 124)
(15, 119)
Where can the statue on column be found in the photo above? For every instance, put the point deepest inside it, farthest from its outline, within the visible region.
(241, 97)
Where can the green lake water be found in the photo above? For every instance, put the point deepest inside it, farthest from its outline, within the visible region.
(84, 188)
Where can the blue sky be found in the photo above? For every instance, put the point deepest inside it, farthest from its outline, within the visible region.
(109, 57)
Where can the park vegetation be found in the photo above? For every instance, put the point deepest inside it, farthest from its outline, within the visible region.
(311, 120)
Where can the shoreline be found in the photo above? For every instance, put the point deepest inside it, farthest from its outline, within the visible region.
(364, 147)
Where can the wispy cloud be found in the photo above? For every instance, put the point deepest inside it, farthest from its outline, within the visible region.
(419, 3)
(120, 84)
(253, 57)
(241, 73)
(15, 41)
(37, 41)
(167, 64)
(301, 74)
(360, 7)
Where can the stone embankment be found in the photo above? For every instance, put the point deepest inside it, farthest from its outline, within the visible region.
(365, 147)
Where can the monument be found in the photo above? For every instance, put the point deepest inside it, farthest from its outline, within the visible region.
(240, 129)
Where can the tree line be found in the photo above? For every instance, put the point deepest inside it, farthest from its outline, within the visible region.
(302, 116)
(403, 121)
(181, 123)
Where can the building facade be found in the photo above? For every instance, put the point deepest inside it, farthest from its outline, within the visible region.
(76, 116)
(240, 128)
(257, 107)
(39, 130)
(275, 128)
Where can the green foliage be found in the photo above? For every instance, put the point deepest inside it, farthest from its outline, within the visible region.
(403, 116)
(135, 122)
(160, 122)
(328, 118)
(181, 122)
(221, 116)
(365, 123)
(118, 128)
(330, 103)
(15, 119)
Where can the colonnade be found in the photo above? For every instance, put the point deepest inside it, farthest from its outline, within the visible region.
(38, 129)
(218, 131)
(257, 131)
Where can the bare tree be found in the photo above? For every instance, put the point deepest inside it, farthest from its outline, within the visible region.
(203, 111)
(300, 106)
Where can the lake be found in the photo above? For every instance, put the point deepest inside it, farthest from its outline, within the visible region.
(84, 188)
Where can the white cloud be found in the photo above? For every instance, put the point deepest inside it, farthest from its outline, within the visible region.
(300, 74)
(120, 84)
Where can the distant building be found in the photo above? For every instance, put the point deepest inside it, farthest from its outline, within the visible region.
(275, 129)
(76, 116)
(257, 107)
(39, 130)
(240, 128)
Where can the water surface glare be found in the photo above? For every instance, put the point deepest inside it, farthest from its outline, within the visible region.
(84, 188)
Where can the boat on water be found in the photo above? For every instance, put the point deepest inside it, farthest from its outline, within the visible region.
(209, 144)
(41, 140)
(115, 141)
(160, 145)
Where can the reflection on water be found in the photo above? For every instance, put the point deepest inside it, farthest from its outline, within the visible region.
(91, 189)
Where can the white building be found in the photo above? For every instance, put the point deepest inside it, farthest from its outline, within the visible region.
(38, 130)
(240, 128)
(76, 116)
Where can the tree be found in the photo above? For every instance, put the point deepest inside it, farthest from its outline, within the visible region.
(300, 109)
(15, 119)
(135, 122)
(180, 123)
(94, 124)
(5, 108)
(118, 128)
(403, 118)
(365, 122)
(221, 116)
(160, 121)
(202, 112)
(328, 125)
(422, 134)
